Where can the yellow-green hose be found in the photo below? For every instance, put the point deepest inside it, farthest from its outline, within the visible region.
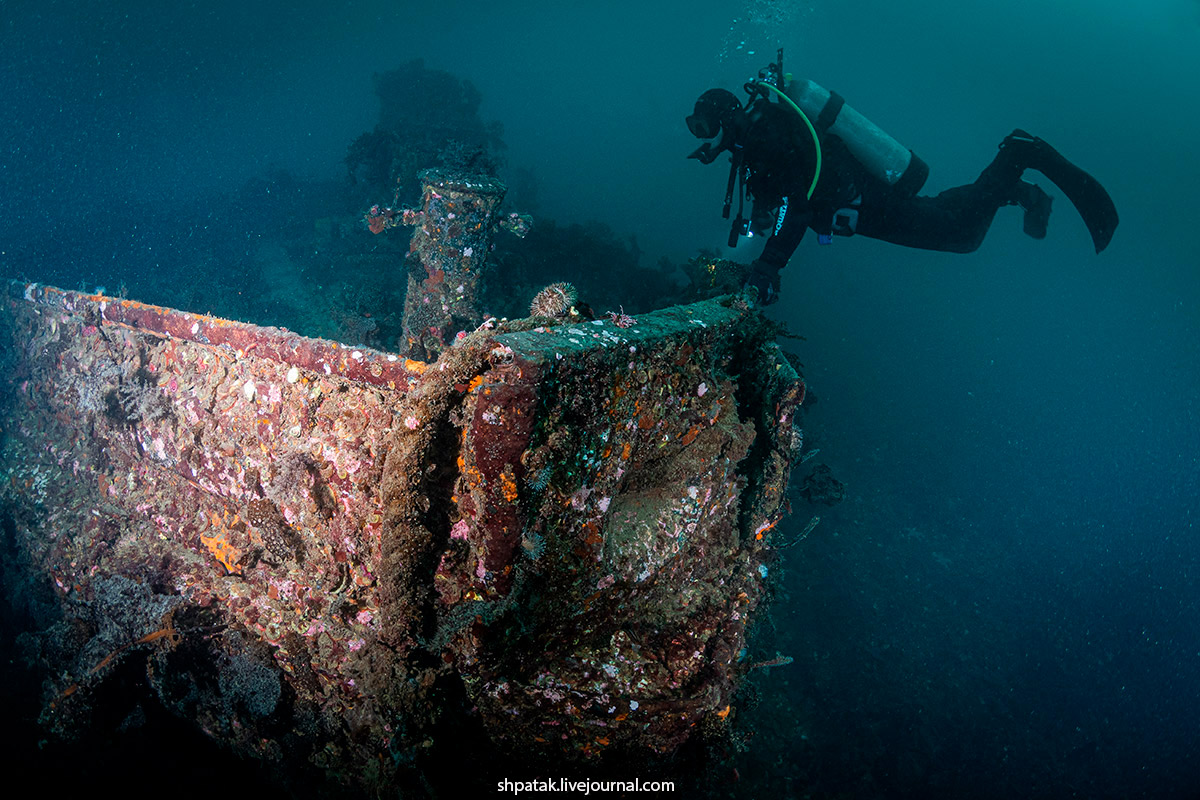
(813, 131)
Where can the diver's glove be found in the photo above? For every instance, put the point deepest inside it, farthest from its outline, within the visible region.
(763, 279)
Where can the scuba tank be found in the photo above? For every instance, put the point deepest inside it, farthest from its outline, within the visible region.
(872, 147)
(821, 110)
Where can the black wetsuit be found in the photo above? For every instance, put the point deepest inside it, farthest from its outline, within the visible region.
(778, 153)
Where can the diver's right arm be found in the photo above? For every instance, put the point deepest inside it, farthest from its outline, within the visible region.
(764, 271)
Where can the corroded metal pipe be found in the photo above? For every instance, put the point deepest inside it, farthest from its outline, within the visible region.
(449, 248)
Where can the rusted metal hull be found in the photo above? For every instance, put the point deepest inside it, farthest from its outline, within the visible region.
(570, 523)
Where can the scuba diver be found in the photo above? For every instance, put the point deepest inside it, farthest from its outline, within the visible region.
(808, 160)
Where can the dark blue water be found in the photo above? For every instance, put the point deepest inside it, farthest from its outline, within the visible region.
(1006, 603)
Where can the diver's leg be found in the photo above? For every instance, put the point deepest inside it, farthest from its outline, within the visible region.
(954, 221)
(958, 219)
(1020, 151)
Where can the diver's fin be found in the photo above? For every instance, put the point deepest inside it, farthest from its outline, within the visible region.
(1085, 192)
(1036, 204)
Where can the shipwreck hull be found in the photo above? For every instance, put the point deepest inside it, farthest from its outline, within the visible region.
(313, 546)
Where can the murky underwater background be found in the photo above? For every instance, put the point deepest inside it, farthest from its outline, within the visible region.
(1005, 605)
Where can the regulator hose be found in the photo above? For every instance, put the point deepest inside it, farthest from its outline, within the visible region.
(812, 131)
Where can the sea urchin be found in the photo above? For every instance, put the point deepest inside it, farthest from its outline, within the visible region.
(555, 300)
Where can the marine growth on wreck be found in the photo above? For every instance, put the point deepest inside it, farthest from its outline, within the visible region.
(318, 550)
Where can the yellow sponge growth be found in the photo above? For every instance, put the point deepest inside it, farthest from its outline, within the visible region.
(223, 551)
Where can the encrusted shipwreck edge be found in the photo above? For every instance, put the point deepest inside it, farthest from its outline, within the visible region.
(535, 488)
